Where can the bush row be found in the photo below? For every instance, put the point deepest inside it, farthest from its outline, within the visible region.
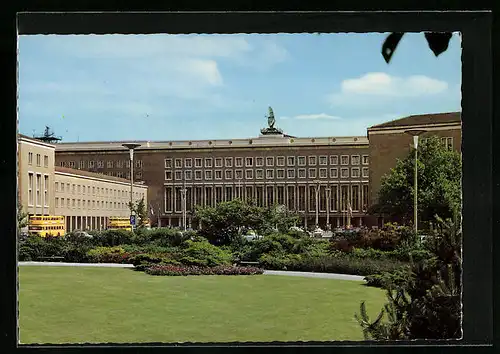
(173, 270)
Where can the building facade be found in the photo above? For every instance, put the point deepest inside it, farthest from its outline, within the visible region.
(274, 169)
(88, 199)
(36, 176)
(390, 141)
(84, 198)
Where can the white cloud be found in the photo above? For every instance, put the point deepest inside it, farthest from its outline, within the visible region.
(311, 116)
(379, 85)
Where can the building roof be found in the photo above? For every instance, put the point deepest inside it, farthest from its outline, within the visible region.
(94, 175)
(261, 141)
(22, 137)
(422, 119)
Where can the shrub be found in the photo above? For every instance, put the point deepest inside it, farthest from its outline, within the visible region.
(386, 280)
(204, 254)
(172, 270)
(108, 255)
(35, 247)
(77, 253)
(110, 238)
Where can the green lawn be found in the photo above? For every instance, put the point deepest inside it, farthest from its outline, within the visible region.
(98, 305)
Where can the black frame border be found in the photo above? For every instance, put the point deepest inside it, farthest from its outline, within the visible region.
(477, 127)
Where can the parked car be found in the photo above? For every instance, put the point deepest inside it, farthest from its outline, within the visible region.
(81, 233)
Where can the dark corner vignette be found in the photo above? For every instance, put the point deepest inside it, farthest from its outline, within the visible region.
(476, 126)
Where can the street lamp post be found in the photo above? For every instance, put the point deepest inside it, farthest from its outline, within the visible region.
(415, 134)
(131, 147)
(328, 190)
(317, 202)
(183, 194)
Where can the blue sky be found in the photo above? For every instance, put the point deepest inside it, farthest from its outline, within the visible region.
(175, 87)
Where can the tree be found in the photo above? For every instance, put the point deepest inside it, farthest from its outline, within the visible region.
(22, 217)
(437, 42)
(439, 185)
(427, 305)
(227, 221)
(140, 211)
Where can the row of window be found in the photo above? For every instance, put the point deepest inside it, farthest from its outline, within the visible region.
(299, 198)
(269, 174)
(38, 160)
(89, 204)
(35, 190)
(126, 175)
(97, 191)
(100, 164)
(269, 161)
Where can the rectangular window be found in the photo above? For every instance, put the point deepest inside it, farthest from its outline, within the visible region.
(312, 173)
(270, 195)
(302, 198)
(218, 162)
(138, 176)
(323, 160)
(249, 192)
(238, 174)
(178, 175)
(168, 163)
(218, 194)
(449, 143)
(355, 198)
(269, 173)
(280, 174)
(312, 160)
(198, 162)
(188, 163)
(344, 173)
(291, 197)
(178, 163)
(30, 158)
(218, 174)
(355, 172)
(208, 196)
(45, 161)
(259, 195)
(100, 164)
(365, 172)
(323, 173)
(38, 160)
(334, 160)
(259, 174)
(290, 173)
(238, 162)
(109, 164)
(197, 174)
(344, 160)
(249, 174)
(312, 198)
(73, 203)
(208, 162)
(57, 186)
(67, 203)
(259, 161)
(229, 193)
(79, 203)
(229, 174)
(91, 164)
(138, 163)
(168, 199)
(119, 164)
(249, 162)
(302, 173)
(280, 161)
(334, 199)
(355, 160)
(365, 159)
(301, 161)
(365, 197)
(269, 161)
(208, 175)
(30, 188)
(229, 162)
(83, 203)
(188, 175)
(290, 161)
(334, 173)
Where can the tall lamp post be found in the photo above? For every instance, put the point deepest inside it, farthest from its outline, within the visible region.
(328, 191)
(131, 147)
(415, 134)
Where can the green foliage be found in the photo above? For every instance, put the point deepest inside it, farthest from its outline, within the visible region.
(22, 217)
(202, 253)
(140, 211)
(426, 303)
(439, 184)
(108, 255)
(226, 222)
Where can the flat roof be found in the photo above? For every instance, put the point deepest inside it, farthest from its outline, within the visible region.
(82, 173)
(261, 141)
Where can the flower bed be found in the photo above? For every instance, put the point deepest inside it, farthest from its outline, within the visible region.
(175, 270)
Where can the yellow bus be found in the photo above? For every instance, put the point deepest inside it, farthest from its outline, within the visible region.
(119, 223)
(47, 225)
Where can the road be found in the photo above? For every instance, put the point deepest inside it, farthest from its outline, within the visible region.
(266, 272)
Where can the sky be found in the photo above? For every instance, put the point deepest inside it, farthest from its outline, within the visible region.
(191, 87)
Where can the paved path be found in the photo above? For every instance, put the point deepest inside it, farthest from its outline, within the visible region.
(266, 272)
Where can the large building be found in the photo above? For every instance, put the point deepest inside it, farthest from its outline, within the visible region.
(85, 199)
(343, 173)
(271, 169)
(391, 141)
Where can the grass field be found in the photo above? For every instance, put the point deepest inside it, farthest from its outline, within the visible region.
(99, 305)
